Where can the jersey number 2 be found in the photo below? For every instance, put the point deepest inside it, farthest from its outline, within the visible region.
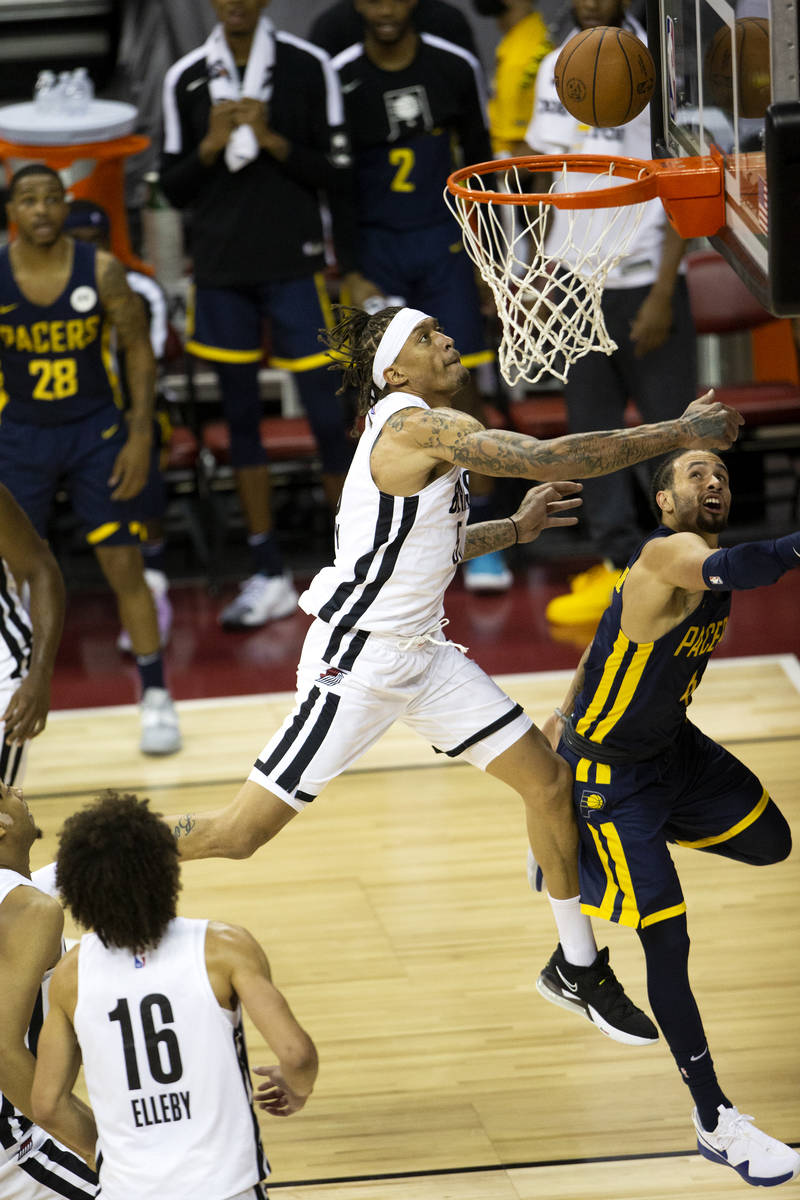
(58, 378)
(402, 157)
(154, 1040)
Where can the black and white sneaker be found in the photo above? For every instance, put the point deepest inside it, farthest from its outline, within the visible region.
(596, 993)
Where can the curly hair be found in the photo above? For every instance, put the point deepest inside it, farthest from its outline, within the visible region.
(117, 871)
(352, 343)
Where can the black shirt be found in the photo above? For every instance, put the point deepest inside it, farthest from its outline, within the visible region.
(262, 223)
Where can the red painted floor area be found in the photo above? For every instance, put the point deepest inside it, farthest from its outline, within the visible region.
(506, 634)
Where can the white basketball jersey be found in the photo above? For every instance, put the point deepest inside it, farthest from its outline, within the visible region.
(15, 629)
(395, 555)
(13, 1125)
(166, 1071)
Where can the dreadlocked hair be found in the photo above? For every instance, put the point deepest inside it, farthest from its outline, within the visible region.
(117, 871)
(352, 343)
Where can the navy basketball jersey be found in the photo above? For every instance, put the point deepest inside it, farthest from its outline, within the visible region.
(405, 126)
(56, 361)
(635, 694)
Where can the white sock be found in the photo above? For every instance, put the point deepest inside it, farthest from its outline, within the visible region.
(574, 931)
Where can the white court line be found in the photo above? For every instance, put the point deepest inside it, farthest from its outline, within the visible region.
(788, 662)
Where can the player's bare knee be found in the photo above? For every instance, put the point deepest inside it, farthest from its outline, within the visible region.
(551, 795)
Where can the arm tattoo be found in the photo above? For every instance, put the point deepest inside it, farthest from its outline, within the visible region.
(185, 826)
(489, 536)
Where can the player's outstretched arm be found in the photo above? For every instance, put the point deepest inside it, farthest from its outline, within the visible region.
(58, 1060)
(686, 561)
(446, 435)
(233, 953)
(542, 507)
(31, 562)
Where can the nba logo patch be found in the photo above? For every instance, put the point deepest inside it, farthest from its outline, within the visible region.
(139, 961)
(591, 803)
(331, 677)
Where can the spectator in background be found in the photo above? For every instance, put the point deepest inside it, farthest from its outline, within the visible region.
(341, 25)
(646, 309)
(253, 129)
(88, 222)
(409, 98)
(518, 56)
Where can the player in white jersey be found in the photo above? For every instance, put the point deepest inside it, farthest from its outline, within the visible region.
(152, 1004)
(376, 652)
(33, 1165)
(28, 640)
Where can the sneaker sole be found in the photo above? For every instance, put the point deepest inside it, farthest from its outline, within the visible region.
(162, 751)
(277, 616)
(754, 1180)
(498, 585)
(591, 1015)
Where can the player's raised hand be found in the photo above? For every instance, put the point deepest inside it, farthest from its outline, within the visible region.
(546, 506)
(711, 425)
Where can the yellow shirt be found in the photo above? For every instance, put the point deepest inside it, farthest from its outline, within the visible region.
(517, 60)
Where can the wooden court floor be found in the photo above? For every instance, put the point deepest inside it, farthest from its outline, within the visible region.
(398, 922)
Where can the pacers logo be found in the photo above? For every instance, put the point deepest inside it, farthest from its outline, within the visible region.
(591, 803)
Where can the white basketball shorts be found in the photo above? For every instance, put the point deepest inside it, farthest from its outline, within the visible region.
(341, 710)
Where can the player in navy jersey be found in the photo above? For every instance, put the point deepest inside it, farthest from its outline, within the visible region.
(416, 104)
(645, 776)
(61, 418)
(376, 652)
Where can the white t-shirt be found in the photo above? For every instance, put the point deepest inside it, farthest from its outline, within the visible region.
(166, 1071)
(395, 555)
(553, 131)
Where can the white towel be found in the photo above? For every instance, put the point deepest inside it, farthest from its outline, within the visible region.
(242, 147)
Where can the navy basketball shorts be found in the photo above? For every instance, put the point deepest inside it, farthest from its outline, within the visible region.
(431, 270)
(37, 460)
(226, 324)
(696, 794)
(352, 687)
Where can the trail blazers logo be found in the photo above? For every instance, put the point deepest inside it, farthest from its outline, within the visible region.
(331, 677)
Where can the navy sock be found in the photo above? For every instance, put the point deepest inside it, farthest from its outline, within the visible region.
(154, 557)
(265, 555)
(666, 948)
(151, 670)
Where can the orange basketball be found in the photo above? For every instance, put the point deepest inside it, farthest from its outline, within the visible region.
(605, 76)
(752, 62)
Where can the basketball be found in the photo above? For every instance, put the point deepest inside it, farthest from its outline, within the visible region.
(752, 59)
(604, 76)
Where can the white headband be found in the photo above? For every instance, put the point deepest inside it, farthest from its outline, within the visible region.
(394, 338)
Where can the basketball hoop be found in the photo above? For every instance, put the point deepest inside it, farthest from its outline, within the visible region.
(547, 274)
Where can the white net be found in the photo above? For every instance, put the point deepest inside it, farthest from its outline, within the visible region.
(546, 266)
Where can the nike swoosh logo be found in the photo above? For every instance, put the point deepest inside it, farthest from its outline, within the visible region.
(196, 83)
(351, 86)
(694, 1057)
(4, 308)
(795, 552)
(573, 987)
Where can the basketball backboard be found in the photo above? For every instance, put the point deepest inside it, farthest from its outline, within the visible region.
(729, 77)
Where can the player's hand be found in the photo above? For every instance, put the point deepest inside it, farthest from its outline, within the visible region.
(275, 1096)
(256, 114)
(221, 124)
(26, 714)
(544, 507)
(651, 326)
(131, 467)
(358, 290)
(711, 425)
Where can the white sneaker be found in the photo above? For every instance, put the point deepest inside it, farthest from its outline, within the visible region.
(160, 730)
(159, 585)
(761, 1160)
(261, 598)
